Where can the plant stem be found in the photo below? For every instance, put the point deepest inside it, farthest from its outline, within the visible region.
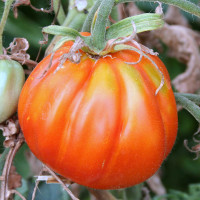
(57, 6)
(182, 4)
(7, 6)
(3, 159)
(78, 21)
(4, 194)
(98, 40)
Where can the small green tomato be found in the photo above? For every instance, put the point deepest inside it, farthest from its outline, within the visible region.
(12, 78)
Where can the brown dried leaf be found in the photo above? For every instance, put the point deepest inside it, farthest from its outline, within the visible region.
(133, 9)
(122, 12)
(183, 46)
(14, 180)
(18, 48)
(173, 16)
(10, 130)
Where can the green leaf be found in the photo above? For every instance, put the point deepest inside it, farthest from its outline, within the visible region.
(61, 30)
(188, 105)
(194, 189)
(182, 4)
(192, 97)
(143, 22)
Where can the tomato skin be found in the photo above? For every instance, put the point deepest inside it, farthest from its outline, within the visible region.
(12, 78)
(99, 123)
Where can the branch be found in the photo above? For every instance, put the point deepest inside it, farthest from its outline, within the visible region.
(62, 183)
(4, 192)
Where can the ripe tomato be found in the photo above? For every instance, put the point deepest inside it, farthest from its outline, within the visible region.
(11, 81)
(99, 122)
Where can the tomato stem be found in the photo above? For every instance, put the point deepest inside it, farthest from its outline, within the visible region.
(182, 4)
(7, 6)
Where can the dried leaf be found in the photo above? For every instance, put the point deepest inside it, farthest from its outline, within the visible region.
(18, 49)
(133, 9)
(14, 180)
(173, 16)
(183, 46)
(19, 45)
(10, 129)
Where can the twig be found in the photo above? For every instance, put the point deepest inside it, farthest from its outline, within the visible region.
(4, 181)
(101, 194)
(61, 182)
(38, 55)
(4, 192)
(26, 61)
(19, 59)
(18, 193)
(42, 9)
(56, 13)
(36, 185)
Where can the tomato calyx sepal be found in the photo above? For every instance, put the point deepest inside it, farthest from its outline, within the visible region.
(123, 28)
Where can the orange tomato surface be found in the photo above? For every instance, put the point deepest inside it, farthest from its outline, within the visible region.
(99, 122)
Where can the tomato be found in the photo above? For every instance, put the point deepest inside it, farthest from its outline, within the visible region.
(99, 122)
(11, 81)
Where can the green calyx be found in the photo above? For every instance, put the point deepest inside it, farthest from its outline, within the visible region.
(97, 21)
(123, 28)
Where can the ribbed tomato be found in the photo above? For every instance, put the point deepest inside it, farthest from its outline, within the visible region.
(99, 122)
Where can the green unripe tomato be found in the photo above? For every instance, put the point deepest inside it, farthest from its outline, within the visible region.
(12, 78)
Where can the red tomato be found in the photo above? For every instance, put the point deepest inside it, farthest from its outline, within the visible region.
(99, 122)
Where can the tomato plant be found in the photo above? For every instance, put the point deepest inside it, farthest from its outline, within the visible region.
(99, 122)
(11, 81)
